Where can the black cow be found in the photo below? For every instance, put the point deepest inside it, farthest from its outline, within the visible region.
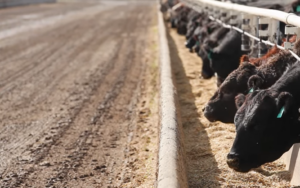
(259, 73)
(226, 56)
(200, 31)
(200, 34)
(193, 38)
(182, 20)
(214, 38)
(267, 123)
(221, 106)
(195, 19)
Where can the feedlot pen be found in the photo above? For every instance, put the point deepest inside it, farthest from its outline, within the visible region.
(206, 143)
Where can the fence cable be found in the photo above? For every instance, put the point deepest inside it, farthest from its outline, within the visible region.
(252, 36)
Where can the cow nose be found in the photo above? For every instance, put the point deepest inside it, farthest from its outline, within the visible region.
(233, 160)
(186, 43)
(207, 108)
(209, 113)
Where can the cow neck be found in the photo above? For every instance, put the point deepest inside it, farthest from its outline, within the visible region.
(271, 72)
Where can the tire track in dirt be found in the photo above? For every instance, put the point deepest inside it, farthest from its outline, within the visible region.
(12, 59)
(24, 31)
(70, 54)
(45, 22)
(32, 69)
(50, 52)
(14, 16)
(72, 50)
(80, 109)
(102, 37)
(83, 143)
(125, 174)
(84, 176)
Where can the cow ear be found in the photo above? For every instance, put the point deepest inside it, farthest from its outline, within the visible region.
(297, 47)
(284, 102)
(244, 58)
(247, 69)
(255, 82)
(239, 100)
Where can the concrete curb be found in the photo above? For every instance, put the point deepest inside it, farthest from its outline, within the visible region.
(171, 165)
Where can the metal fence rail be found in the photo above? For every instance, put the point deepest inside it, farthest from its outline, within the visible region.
(287, 18)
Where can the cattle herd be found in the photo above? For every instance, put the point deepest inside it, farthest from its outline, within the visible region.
(258, 90)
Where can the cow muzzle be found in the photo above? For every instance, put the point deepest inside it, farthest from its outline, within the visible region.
(233, 161)
(209, 113)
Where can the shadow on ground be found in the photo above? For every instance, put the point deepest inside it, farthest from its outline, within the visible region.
(202, 168)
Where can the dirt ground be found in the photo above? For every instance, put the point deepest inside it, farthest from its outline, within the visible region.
(78, 95)
(207, 144)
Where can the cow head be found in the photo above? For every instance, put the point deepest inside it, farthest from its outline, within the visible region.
(190, 42)
(267, 125)
(221, 107)
(194, 39)
(214, 38)
(226, 56)
(209, 43)
(196, 47)
(190, 29)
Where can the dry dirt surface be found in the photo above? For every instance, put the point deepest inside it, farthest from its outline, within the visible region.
(78, 95)
(207, 144)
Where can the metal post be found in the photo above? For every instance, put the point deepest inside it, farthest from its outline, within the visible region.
(245, 39)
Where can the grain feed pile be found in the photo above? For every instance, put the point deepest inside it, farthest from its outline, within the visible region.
(207, 144)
